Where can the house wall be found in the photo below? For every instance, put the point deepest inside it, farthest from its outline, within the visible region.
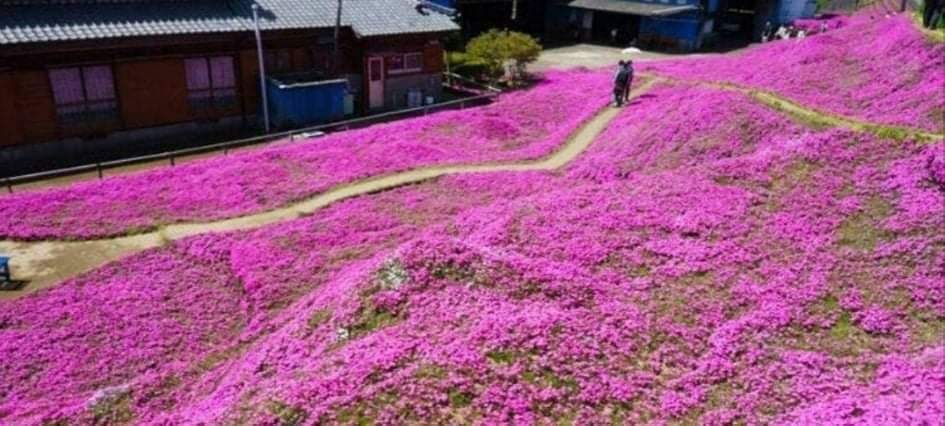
(35, 110)
(152, 92)
(428, 80)
(9, 124)
(151, 84)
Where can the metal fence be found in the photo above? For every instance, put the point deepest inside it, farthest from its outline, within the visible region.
(482, 94)
(883, 5)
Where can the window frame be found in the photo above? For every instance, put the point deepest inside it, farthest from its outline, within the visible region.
(220, 100)
(404, 69)
(90, 112)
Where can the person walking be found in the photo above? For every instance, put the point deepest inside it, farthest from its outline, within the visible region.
(628, 66)
(621, 78)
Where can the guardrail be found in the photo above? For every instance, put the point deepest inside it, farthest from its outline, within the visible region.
(487, 94)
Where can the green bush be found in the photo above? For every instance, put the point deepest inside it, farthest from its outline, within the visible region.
(496, 50)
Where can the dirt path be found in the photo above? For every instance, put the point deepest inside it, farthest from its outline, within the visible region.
(812, 116)
(46, 263)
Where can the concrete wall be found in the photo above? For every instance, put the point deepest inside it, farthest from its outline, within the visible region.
(396, 89)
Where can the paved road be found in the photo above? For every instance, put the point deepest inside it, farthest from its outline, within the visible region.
(596, 56)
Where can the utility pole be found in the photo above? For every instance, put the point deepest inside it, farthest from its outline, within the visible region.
(262, 68)
(337, 48)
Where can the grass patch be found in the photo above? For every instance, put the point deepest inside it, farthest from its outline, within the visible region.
(842, 339)
(365, 413)
(370, 320)
(895, 133)
(318, 318)
(843, 329)
(214, 359)
(862, 231)
(113, 409)
(807, 118)
(460, 399)
(430, 371)
(285, 414)
(501, 357)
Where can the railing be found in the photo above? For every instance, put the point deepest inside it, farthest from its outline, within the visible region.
(486, 94)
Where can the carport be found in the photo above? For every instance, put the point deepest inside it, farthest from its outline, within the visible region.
(623, 16)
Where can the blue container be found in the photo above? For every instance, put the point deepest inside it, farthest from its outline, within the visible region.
(297, 101)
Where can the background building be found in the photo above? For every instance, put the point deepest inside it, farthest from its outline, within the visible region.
(681, 25)
(81, 77)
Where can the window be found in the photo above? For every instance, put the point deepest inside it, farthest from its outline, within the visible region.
(395, 63)
(404, 63)
(413, 62)
(278, 61)
(84, 96)
(211, 84)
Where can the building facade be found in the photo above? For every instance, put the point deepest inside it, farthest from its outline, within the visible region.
(674, 25)
(88, 76)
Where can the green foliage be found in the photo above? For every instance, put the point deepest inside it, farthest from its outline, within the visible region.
(863, 231)
(113, 409)
(318, 318)
(286, 414)
(488, 49)
(459, 399)
(496, 49)
(501, 357)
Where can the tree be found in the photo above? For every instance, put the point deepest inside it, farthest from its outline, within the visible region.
(497, 49)
(523, 49)
(488, 48)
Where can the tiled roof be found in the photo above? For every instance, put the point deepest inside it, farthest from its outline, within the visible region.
(31, 21)
(366, 17)
(387, 17)
(62, 22)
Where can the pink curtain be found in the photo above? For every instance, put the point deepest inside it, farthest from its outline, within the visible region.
(222, 70)
(66, 85)
(198, 76)
(99, 85)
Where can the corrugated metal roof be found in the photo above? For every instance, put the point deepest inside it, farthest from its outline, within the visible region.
(633, 7)
(32, 21)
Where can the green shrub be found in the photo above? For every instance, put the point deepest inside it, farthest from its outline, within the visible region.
(496, 50)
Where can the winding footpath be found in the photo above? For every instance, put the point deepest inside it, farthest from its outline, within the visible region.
(45, 263)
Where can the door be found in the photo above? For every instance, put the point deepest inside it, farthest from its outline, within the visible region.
(376, 82)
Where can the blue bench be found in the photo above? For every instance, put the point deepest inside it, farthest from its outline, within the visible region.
(5, 269)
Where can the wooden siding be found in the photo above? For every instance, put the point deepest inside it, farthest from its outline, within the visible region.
(433, 57)
(152, 93)
(249, 80)
(9, 124)
(34, 103)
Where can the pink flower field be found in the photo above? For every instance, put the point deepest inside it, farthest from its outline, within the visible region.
(520, 126)
(872, 68)
(706, 261)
